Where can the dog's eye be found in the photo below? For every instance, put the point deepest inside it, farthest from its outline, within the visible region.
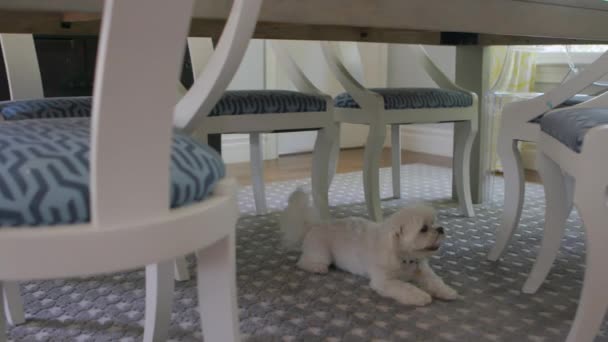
(424, 229)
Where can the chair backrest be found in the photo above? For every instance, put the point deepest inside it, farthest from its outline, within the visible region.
(201, 50)
(570, 87)
(137, 67)
(349, 82)
(295, 74)
(223, 64)
(21, 64)
(360, 93)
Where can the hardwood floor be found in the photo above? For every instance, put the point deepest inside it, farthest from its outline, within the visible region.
(298, 166)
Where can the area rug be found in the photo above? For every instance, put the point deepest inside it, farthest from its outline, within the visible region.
(279, 302)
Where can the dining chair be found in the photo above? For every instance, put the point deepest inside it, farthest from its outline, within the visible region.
(572, 164)
(382, 107)
(86, 196)
(520, 123)
(255, 112)
(28, 101)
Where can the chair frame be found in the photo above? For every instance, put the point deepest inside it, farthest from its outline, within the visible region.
(144, 218)
(373, 114)
(562, 169)
(326, 145)
(515, 127)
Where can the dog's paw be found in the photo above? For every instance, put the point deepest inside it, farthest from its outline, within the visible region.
(314, 267)
(447, 293)
(416, 298)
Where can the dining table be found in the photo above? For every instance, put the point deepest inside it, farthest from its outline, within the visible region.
(469, 25)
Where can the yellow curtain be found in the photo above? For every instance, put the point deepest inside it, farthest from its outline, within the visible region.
(512, 78)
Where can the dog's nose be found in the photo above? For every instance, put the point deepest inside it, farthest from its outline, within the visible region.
(440, 230)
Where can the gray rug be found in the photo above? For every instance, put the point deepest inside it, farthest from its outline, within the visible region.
(278, 302)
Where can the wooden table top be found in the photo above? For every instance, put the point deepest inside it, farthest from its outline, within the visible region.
(451, 22)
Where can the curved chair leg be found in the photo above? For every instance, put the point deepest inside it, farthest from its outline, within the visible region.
(371, 169)
(462, 165)
(514, 195)
(591, 203)
(396, 159)
(159, 300)
(335, 155)
(321, 169)
(2, 315)
(557, 211)
(181, 269)
(216, 278)
(13, 303)
(257, 173)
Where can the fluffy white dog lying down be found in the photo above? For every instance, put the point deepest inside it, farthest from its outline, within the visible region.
(388, 253)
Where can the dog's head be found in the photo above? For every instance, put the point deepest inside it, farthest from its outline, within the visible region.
(414, 232)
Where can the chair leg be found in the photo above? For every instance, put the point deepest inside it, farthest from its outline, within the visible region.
(2, 315)
(513, 171)
(13, 303)
(181, 269)
(462, 165)
(590, 198)
(334, 155)
(396, 159)
(371, 169)
(257, 173)
(321, 169)
(216, 277)
(556, 212)
(159, 300)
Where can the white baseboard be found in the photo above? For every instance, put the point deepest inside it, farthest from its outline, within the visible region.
(430, 140)
(235, 147)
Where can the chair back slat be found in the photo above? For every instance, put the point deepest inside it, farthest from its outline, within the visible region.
(223, 64)
(21, 64)
(364, 97)
(293, 70)
(140, 50)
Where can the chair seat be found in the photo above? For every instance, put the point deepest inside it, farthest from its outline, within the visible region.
(239, 102)
(44, 171)
(574, 100)
(569, 126)
(412, 98)
(50, 107)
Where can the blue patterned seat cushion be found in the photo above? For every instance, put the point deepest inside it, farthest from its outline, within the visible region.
(238, 102)
(50, 107)
(44, 171)
(569, 126)
(412, 98)
(573, 101)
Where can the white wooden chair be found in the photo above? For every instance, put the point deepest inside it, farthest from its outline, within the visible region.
(571, 161)
(520, 122)
(129, 204)
(28, 101)
(271, 111)
(379, 107)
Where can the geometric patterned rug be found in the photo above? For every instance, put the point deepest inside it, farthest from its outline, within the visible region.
(279, 302)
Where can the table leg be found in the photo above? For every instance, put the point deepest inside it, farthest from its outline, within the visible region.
(472, 63)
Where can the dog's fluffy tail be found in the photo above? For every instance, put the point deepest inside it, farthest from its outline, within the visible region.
(297, 218)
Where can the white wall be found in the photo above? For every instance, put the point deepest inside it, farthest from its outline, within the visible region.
(403, 71)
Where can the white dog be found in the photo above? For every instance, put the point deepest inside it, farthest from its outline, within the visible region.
(387, 253)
